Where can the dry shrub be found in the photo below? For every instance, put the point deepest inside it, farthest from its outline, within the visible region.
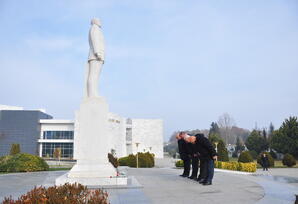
(64, 194)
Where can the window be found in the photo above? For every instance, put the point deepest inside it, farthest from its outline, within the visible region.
(68, 135)
(128, 134)
(49, 148)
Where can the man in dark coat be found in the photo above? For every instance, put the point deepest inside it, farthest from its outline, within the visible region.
(207, 155)
(194, 161)
(184, 151)
(203, 170)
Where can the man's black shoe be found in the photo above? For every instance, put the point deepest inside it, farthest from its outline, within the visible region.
(201, 181)
(191, 177)
(183, 175)
(207, 183)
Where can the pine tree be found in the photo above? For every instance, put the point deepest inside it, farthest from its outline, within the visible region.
(222, 151)
(256, 142)
(285, 140)
(214, 129)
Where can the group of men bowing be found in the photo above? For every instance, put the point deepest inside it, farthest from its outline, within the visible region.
(195, 149)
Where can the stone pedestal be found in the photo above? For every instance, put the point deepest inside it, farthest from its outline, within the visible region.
(92, 144)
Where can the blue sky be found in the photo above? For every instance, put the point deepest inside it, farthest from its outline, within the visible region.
(187, 62)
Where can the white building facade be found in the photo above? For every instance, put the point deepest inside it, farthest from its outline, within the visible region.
(129, 136)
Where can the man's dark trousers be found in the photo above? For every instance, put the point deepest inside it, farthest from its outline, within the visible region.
(195, 166)
(210, 170)
(186, 162)
(203, 170)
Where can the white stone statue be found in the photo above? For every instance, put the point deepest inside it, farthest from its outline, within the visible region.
(92, 141)
(96, 57)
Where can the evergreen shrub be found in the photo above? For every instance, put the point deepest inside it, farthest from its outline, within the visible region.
(289, 160)
(254, 154)
(245, 157)
(145, 160)
(22, 162)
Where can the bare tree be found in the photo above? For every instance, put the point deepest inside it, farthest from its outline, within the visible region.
(226, 122)
(57, 154)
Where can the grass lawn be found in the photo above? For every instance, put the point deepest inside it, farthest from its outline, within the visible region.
(59, 169)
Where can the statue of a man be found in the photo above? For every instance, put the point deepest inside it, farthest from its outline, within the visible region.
(96, 57)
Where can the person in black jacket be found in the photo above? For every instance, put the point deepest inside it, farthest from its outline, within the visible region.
(265, 162)
(184, 152)
(203, 170)
(194, 161)
(207, 155)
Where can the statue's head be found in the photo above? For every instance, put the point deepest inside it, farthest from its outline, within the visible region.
(96, 21)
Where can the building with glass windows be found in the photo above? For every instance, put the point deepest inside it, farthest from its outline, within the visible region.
(56, 134)
(22, 127)
(38, 133)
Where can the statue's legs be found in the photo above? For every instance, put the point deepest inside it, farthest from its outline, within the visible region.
(93, 76)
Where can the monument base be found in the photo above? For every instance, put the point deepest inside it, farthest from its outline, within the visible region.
(92, 170)
(98, 182)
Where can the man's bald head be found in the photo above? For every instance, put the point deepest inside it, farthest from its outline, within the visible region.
(192, 139)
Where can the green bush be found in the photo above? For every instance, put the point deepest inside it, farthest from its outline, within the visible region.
(289, 160)
(113, 160)
(15, 149)
(179, 163)
(65, 194)
(270, 159)
(254, 154)
(245, 157)
(237, 166)
(22, 162)
(145, 160)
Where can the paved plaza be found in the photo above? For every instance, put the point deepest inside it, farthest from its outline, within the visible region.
(163, 185)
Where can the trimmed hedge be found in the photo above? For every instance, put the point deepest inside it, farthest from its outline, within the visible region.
(254, 154)
(289, 160)
(236, 166)
(22, 162)
(65, 194)
(245, 157)
(270, 159)
(179, 163)
(146, 160)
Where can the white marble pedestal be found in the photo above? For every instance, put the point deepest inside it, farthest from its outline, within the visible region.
(92, 144)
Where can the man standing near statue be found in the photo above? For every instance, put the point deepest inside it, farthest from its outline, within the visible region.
(207, 155)
(194, 161)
